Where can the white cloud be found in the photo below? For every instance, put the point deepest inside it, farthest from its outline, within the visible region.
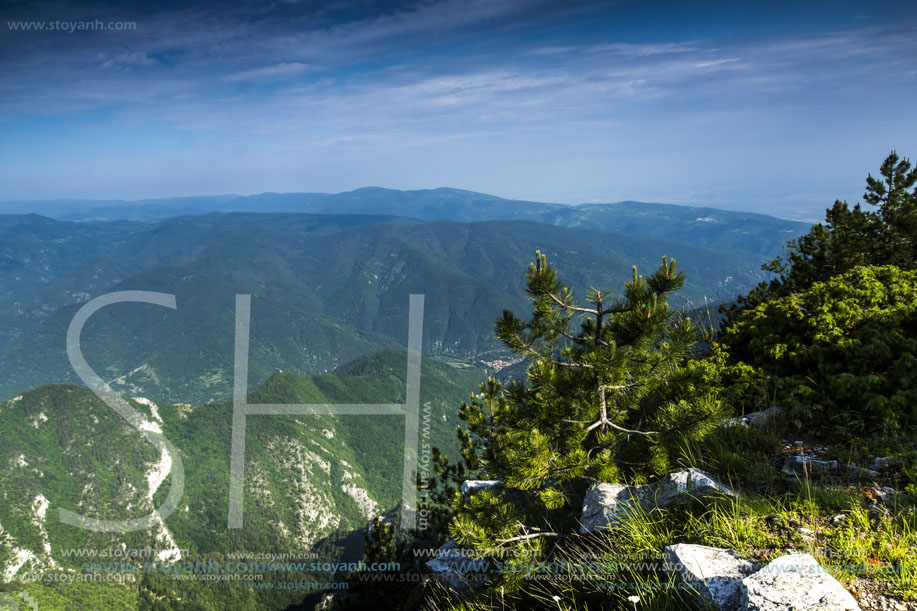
(129, 60)
(644, 49)
(276, 72)
(716, 62)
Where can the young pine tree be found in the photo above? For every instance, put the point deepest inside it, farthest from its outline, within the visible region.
(611, 391)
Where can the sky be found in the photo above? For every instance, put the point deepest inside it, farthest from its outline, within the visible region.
(770, 107)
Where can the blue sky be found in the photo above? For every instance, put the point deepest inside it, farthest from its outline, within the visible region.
(772, 107)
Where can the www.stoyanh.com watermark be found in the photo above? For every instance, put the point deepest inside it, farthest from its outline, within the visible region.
(241, 411)
(69, 27)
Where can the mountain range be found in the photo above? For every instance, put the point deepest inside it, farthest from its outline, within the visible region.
(326, 289)
(330, 278)
(701, 226)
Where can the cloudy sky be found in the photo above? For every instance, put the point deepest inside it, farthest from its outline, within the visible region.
(765, 106)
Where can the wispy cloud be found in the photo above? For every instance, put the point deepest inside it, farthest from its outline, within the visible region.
(129, 60)
(717, 62)
(527, 81)
(643, 49)
(276, 72)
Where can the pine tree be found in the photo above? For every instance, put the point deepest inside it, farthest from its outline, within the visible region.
(849, 237)
(840, 380)
(897, 211)
(611, 390)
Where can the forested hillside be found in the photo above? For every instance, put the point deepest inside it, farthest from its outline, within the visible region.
(326, 289)
(311, 482)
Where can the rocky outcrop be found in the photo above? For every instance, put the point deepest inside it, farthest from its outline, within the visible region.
(863, 473)
(887, 495)
(880, 464)
(693, 482)
(457, 569)
(806, 466)
(795, 581)
(714, 574)
(756, 419)
(730, 583)
(332, 601)
(605, 503)
(474, 485)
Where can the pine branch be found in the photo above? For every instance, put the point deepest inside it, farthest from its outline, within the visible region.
(537, 354)
(549, 471)
(616, 310)
(626, 386)
(567, 306)
(534, 535)
(605, 422)
(573, 338)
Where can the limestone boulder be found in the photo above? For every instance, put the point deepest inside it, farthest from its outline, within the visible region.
(756, 419)
(475, 485)
(457, 568)
(795, 581)
(605, 504)
(806, 466)
(714, 574)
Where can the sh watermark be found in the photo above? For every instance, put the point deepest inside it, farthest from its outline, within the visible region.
(241, 411)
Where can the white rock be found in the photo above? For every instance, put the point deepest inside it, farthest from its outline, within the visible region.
(454, 567)
(40, 508)
(758, 419)
(155, 478)
(605, 503)
(805, 465)
(880, 464)
(474, 485)
(368, 507)
(795, 581)
(862, 472)
(888, 495)
(20, 557)
(691, 482)
(154, 410)
(714, 573)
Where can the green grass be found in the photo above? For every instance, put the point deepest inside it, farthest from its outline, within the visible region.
(760, 528)
(849, 535)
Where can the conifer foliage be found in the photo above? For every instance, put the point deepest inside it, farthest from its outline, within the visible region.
(836, 332)
(611, 390)
(885, 234)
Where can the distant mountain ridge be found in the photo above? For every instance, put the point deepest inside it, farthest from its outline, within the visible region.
(702, 226)
(326, 289)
